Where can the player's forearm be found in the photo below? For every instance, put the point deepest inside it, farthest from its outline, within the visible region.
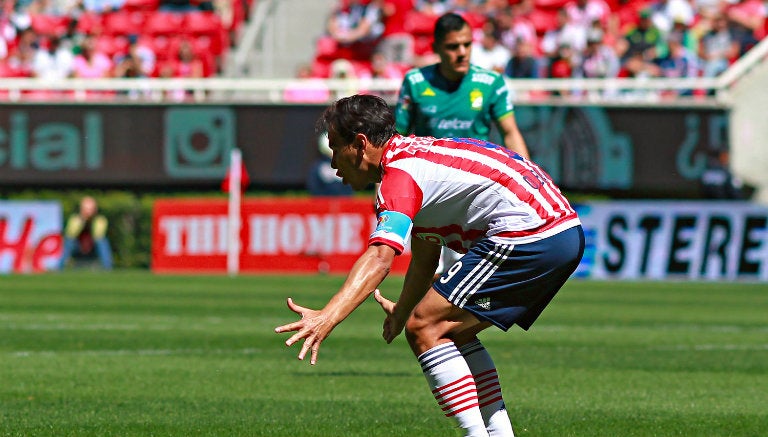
(366, 274)
(417, 283)
(514, 141)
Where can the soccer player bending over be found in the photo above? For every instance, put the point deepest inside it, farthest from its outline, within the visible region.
(521, 238)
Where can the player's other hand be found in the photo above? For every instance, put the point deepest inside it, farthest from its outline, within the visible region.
(314, 327)
(393, 326)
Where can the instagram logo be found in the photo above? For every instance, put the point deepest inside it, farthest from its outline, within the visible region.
(198, 141)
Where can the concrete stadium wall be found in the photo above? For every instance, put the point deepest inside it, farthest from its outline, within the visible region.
(749, 130)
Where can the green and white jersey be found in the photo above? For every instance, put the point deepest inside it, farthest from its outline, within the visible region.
(429, 105)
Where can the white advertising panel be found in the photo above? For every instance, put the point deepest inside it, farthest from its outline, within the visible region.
(30, 236)
(675, 240)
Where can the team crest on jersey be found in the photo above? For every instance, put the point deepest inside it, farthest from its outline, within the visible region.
(428, 92)
(476, 99)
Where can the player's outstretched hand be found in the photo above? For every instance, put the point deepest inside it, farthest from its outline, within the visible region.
(392, 325)
(314, 327)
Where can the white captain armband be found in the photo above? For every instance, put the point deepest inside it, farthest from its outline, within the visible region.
(393, 228)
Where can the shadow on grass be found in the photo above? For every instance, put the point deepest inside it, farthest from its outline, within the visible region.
(356, 374)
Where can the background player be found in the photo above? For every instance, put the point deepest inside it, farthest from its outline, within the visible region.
(454, 98)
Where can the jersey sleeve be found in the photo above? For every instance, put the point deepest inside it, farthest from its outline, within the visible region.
(501, 100)
(398, 201)
(404, 108)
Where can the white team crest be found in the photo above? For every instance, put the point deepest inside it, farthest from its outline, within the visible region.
(484, 303)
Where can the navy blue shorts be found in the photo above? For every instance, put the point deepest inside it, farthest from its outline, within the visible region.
(509, 284)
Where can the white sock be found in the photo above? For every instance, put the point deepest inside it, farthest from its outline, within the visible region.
(488, 389)
(452, 384)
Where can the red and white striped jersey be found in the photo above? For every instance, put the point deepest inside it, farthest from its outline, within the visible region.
(458, 190)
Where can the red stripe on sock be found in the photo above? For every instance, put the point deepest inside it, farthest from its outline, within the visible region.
(471, 390)
(458, 381)
(486, 403)
(455, 412)
(487, 372)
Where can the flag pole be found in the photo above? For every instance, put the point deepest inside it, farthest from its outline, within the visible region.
(233, 210)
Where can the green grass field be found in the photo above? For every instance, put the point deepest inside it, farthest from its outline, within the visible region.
(134, 354)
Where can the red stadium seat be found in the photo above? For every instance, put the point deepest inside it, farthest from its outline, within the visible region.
(141, 5)
(321, 68)
(89, 23)
(112, 45)
(550, 4)
(419, 23)
(326, 48)
(164, 23)
(422, 45)
(124, 22)
(49, 25)
(208, 24)
(543, 20)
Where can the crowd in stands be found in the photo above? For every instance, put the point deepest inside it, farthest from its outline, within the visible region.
(55, 39)
(550, 38)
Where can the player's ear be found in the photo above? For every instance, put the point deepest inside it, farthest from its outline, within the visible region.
(360, 141)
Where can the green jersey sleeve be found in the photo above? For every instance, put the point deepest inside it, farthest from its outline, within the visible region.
(404, 107)
(501, 100)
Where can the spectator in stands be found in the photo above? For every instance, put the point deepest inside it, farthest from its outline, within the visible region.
(177, 6)
(85, 234)
(434, 7)
(666, 12)
(322, 179)
(55, 61)
(307, 89)
(717, 181)
(21, 58)
(128, 66)
(187, 63)
(642, 47)
(563, 65)
(717, 47)
(583, 12)
(746, 21)
(382, 68)
(344, 71)
(143, 54)
(91, 63)
(514, 26)
(565, 32)
(523, 64)
(101, 6)
(397, 44)
(679, 62)
(356, 27)
(488, 52)
(599, 61)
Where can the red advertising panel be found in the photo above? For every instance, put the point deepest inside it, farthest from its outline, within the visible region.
(278, 235)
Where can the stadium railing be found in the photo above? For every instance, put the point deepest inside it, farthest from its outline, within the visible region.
(693, 91)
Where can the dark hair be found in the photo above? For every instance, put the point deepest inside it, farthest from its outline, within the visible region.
(450, 22)
(359, 114)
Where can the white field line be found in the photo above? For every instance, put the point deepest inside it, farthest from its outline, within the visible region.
(654, 327)
(136, 352)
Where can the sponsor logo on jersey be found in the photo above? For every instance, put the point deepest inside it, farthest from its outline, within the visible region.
(454, 123)
(431, 109)
(484, 303)
(476, 99)
(428, 92)
(483, 78)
